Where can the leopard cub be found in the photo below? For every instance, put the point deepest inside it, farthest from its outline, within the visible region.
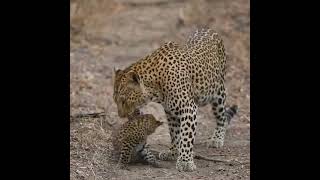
(129, 140)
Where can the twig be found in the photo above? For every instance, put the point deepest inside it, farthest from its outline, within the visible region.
(248, 119)
(197, 156)
(157, 3)
(227, 155)
(92, 115)
(94, 174)
(242, 162)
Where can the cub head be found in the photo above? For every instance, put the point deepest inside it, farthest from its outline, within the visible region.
(153, 123)
(128, 92)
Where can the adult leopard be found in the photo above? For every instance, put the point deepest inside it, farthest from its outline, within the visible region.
(180, 78)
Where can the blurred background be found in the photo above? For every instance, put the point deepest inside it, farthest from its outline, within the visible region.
(115, 33)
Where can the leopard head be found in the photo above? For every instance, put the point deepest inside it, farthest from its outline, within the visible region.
(129, 92)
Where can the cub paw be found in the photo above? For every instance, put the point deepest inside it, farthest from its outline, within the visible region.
(167, 156)
(156, 164)
(123, 166)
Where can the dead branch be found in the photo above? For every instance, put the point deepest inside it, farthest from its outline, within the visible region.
(228, 155)
(92, 115)
(156, 3)
(197, 156)
(89, 115)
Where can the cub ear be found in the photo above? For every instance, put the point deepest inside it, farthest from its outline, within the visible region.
(134, 77)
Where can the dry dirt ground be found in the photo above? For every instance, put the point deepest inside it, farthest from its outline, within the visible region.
(105, 33)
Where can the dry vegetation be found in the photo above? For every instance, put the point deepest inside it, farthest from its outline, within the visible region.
(106, 33)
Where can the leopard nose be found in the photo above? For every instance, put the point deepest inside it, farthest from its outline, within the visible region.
(121, 114)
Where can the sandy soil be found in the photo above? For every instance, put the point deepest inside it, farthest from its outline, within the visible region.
(107, 33)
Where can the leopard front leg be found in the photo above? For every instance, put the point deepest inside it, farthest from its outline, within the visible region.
(187, 133)
(174, 129)
(125, 156)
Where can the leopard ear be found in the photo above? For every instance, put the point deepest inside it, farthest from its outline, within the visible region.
(160, 123)
(134, 77)
(115, 73)
(136, 82)
(116, 70)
